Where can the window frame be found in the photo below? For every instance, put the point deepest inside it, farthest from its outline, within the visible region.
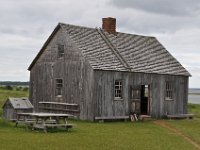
(58, 86)
(169, 88)
(120, 86)
(60, 50)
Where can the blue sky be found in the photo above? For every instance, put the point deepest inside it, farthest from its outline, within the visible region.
(26, 24)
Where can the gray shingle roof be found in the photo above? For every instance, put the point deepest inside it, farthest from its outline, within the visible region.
(123, 52)
(20, 103)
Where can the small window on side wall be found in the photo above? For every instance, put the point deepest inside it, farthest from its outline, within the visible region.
(169, 90)
(60, 51)
(118, 90)
(59, 87)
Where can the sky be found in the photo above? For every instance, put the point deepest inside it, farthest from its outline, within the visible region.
(26, 24)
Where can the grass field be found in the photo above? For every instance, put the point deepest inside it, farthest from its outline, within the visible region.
(100, 136)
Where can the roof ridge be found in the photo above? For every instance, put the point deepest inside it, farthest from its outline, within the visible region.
(72, 25)
(114, 49)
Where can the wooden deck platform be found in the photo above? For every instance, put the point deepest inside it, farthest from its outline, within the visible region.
(181, 116)
(144, 117)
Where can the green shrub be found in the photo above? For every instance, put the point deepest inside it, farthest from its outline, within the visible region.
(8, 87)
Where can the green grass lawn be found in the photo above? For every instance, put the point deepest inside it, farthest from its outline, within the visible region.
(98, 136)
(191, 128)
(93, 136)
(194, 109)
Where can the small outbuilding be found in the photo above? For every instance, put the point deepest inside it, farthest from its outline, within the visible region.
(12, 106)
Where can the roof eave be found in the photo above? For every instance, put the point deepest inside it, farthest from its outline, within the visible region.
(132, 71)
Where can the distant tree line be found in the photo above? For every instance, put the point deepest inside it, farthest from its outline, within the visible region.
(13, 83)
(17, 88)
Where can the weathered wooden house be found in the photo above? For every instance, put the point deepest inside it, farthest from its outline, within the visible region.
(108, 73)
(12, 106)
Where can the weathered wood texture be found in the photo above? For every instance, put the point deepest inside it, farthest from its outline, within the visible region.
(57, 107)
(9, 113)
(93, 90)
(104, 93)
(73, 68)
(12, 106)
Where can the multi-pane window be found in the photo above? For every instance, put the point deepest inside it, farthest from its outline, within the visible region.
(118, 89)
(169, 90)
(59, 87)
(60, 50)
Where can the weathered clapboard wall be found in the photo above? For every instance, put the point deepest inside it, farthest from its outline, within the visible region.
(104, 93)
(90, 51)
(73, 68)
(13, 106)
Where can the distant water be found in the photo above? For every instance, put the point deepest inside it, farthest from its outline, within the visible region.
(194, 96)
(194, 99)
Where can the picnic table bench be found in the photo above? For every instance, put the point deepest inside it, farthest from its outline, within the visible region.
(44, 120)
(57, 107)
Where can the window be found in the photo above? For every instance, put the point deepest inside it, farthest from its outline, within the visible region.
(59, 87)
(169, 90)
(60, 51)
(118, 89)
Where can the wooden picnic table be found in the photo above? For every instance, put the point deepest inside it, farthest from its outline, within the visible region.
(44, 120)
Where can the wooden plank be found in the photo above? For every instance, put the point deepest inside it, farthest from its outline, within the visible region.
(144, 117)
(59, 109)
(57, 103)
(180, 116)
(59, 125)
(112, 118)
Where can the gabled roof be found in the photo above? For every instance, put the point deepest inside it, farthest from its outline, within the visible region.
(121, 52)
(19, 103)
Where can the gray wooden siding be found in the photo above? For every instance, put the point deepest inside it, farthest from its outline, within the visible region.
(9, 113)
(92, 89)
(73, 68)
(104, 93)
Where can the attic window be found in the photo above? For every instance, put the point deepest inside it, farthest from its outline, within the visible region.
(59, 87)
(169, 90)
(118, 90)
(60, 50)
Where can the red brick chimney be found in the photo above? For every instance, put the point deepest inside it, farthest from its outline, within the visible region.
(109, 25)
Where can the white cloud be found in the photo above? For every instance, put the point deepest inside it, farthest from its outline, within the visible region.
(166, 7)
(26, 24)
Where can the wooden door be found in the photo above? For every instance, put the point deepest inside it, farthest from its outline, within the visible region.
(135, 99)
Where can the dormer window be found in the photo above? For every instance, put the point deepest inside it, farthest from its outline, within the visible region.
(60, 51)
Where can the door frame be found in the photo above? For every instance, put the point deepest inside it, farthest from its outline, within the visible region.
(132, 99)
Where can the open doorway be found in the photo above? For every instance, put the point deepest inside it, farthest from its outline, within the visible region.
(140, 99)
(145, 94)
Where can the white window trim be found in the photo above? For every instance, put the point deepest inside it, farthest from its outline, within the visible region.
(56, 87)
(121, 88)
(170, 89)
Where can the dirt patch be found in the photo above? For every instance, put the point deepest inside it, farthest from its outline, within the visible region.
(181, 134)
